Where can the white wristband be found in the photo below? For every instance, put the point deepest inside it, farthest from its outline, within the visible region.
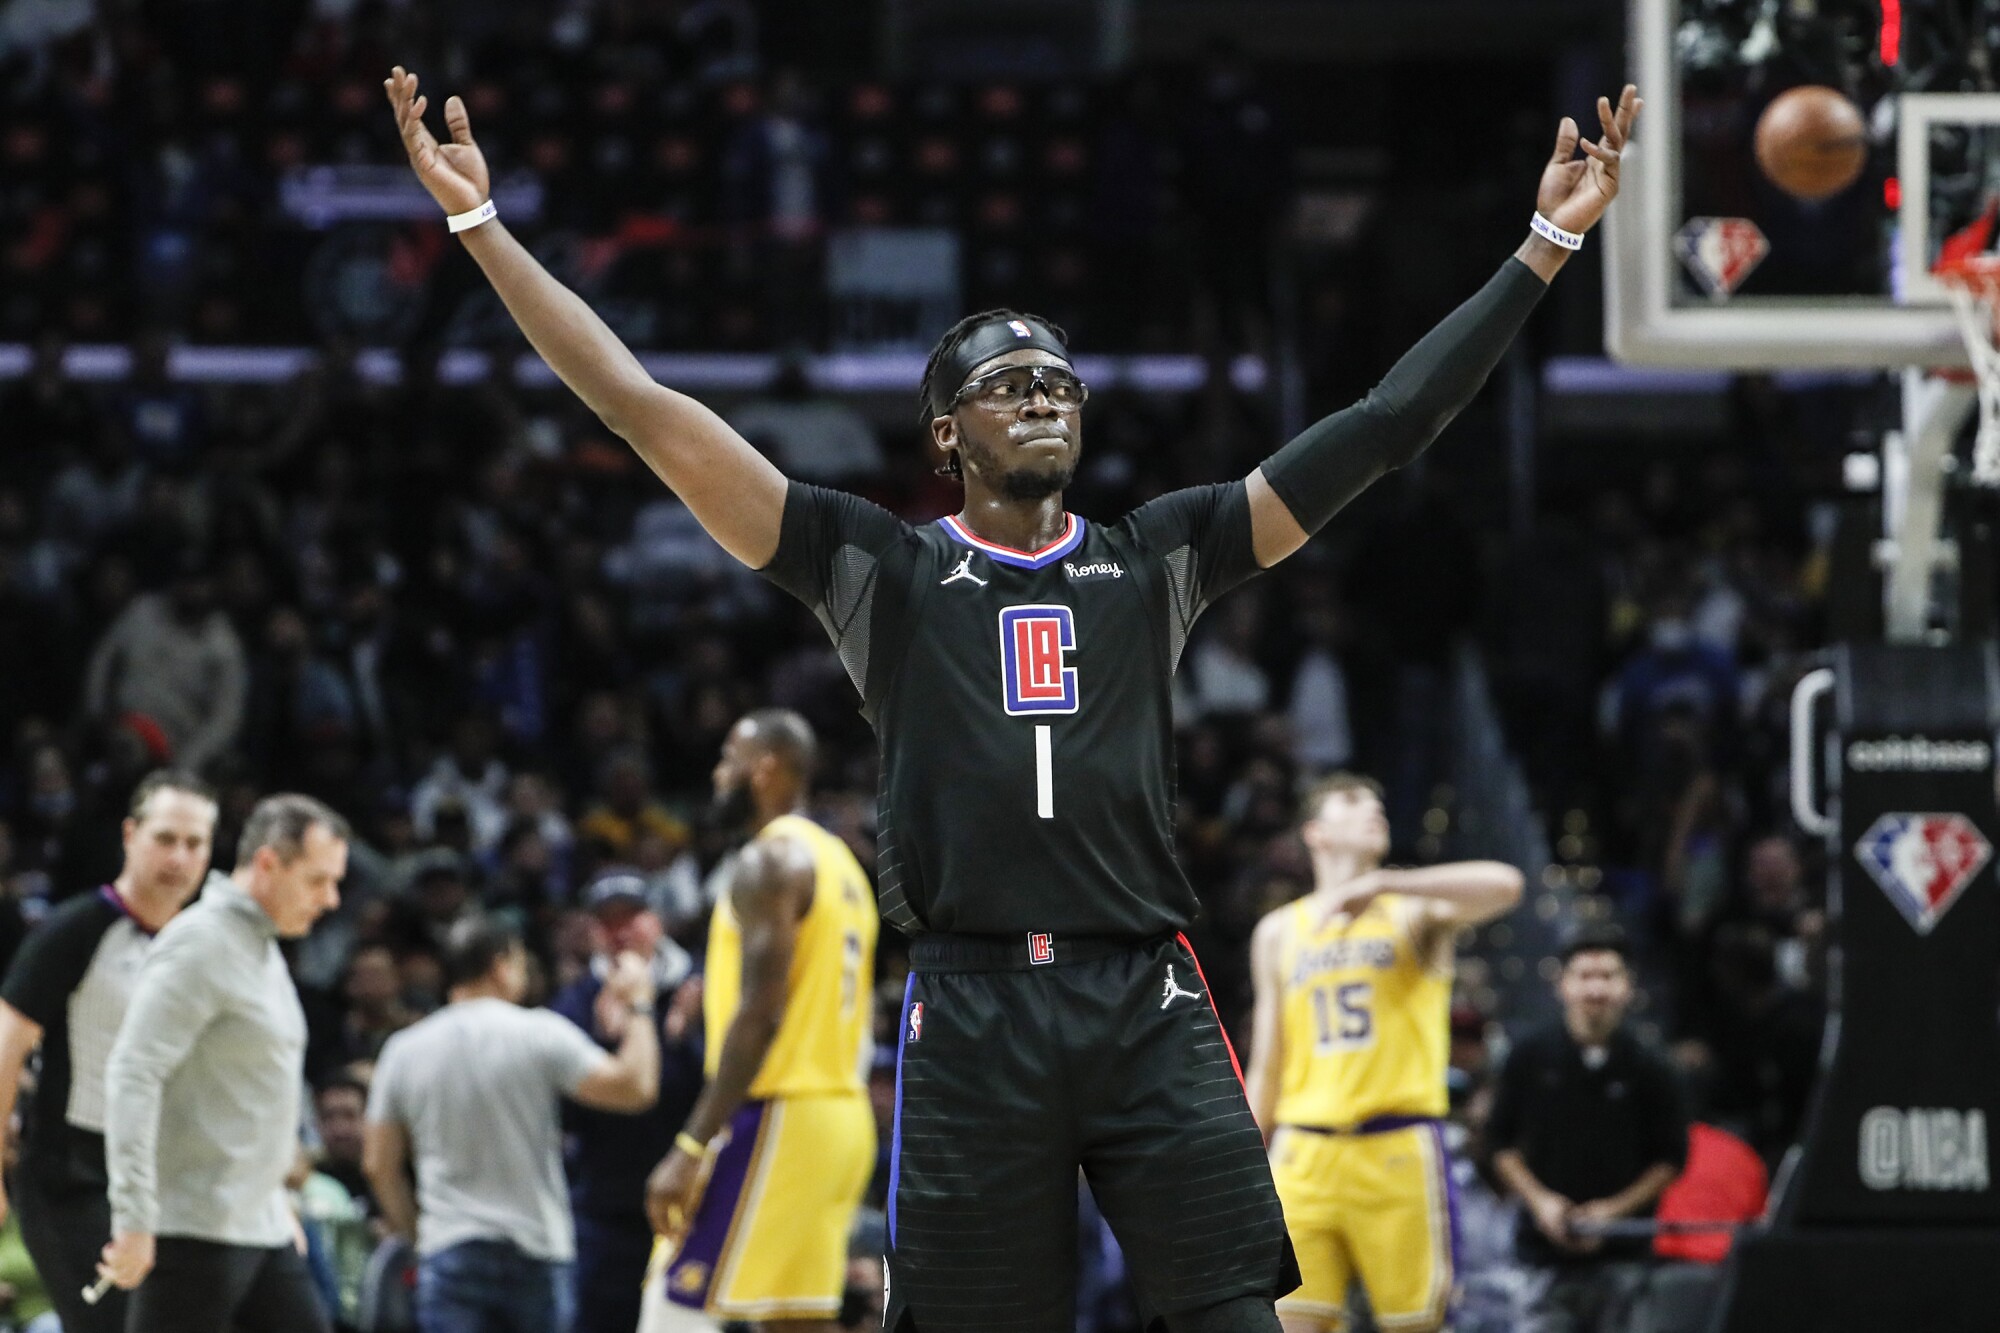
(1547, 230)
(486, 212)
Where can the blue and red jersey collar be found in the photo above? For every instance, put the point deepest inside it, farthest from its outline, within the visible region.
(1071, 538)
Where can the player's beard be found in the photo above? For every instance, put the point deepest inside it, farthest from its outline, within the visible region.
(731, 810)
(1030, 482)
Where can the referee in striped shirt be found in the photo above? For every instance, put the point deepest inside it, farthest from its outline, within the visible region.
(67, 992)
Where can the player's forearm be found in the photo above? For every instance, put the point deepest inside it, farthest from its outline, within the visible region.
(638, 1054)
(580, 347)
(1512, 1168)
(1336, 458)
(1544, 257)
(1471, 891)
(396, 1199)
(744, 1047)
(736, 493)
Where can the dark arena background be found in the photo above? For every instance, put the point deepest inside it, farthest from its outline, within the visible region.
(1689, 617)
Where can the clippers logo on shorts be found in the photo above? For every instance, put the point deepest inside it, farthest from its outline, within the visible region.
(917, 1021)
(1034, 676)
(1041, 948)
(1923, 862)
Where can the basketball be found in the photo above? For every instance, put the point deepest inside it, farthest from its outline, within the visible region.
(1811, 142)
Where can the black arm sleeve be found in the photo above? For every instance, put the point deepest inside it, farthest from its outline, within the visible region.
(1336, 458)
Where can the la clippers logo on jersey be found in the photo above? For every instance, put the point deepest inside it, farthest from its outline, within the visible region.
(1035, 677)
(1923, 862)
(1041, 948)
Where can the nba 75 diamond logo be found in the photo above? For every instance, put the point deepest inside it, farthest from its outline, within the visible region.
(1923, 862)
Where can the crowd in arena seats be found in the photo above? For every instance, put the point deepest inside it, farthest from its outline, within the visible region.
(468, 618)
(465, 616)
(1644, 659)
(688, 187)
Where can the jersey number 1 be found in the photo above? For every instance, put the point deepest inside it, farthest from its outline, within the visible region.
(1045, 772)
(1036, 677)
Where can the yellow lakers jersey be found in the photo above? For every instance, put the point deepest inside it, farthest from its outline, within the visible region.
(1367, 1021)
(824, 1042)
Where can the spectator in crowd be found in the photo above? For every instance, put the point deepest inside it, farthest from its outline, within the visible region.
(777, 172)
(1774, 896)
(1765, 1037)
(173, 659)
(202, 1093)
(469, 1097)
(812, 436)
(627, 809)
(1587, 1129)
(372, 1010)
(1237, 166)
(67, 992)
(607, 1196)
(468, 776)
(162, 418)
(340, 1104)
(440, 896)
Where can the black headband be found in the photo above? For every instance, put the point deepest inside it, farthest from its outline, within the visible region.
(995, 338)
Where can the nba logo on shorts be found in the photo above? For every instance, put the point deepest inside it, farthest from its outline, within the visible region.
(1923, 862)
(1034, 676)
(1041, 948)
(917, 1020)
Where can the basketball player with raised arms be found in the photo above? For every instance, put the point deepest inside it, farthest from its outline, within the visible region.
(1015, 662)
(756, 1200)
(1349, 1045)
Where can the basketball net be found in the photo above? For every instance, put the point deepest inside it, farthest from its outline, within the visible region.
(1972, 274)
(1975, 297)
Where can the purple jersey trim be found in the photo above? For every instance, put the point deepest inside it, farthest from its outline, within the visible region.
(691, 1276)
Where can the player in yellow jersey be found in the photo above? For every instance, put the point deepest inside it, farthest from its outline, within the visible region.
(1347, 1063)
(755, 1202)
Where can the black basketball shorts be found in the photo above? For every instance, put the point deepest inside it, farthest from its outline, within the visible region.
(1023, 1062)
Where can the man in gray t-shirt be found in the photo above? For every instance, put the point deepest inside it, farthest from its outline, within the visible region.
(472, 1095)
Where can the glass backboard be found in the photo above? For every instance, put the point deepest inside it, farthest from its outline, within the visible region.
(1709, 265)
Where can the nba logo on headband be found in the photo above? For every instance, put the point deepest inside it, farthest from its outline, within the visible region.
(1020, 330)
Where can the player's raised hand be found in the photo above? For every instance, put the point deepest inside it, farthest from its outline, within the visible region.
(455, 173)
(1575, 191)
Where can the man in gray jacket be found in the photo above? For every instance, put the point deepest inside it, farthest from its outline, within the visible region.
(203, 1093)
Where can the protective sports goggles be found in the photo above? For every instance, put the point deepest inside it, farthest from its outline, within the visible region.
(1010, 386)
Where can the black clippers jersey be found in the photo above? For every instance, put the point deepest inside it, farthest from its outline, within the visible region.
(1023, 702)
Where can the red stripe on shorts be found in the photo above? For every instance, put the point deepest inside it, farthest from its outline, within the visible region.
(1227, 1045)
